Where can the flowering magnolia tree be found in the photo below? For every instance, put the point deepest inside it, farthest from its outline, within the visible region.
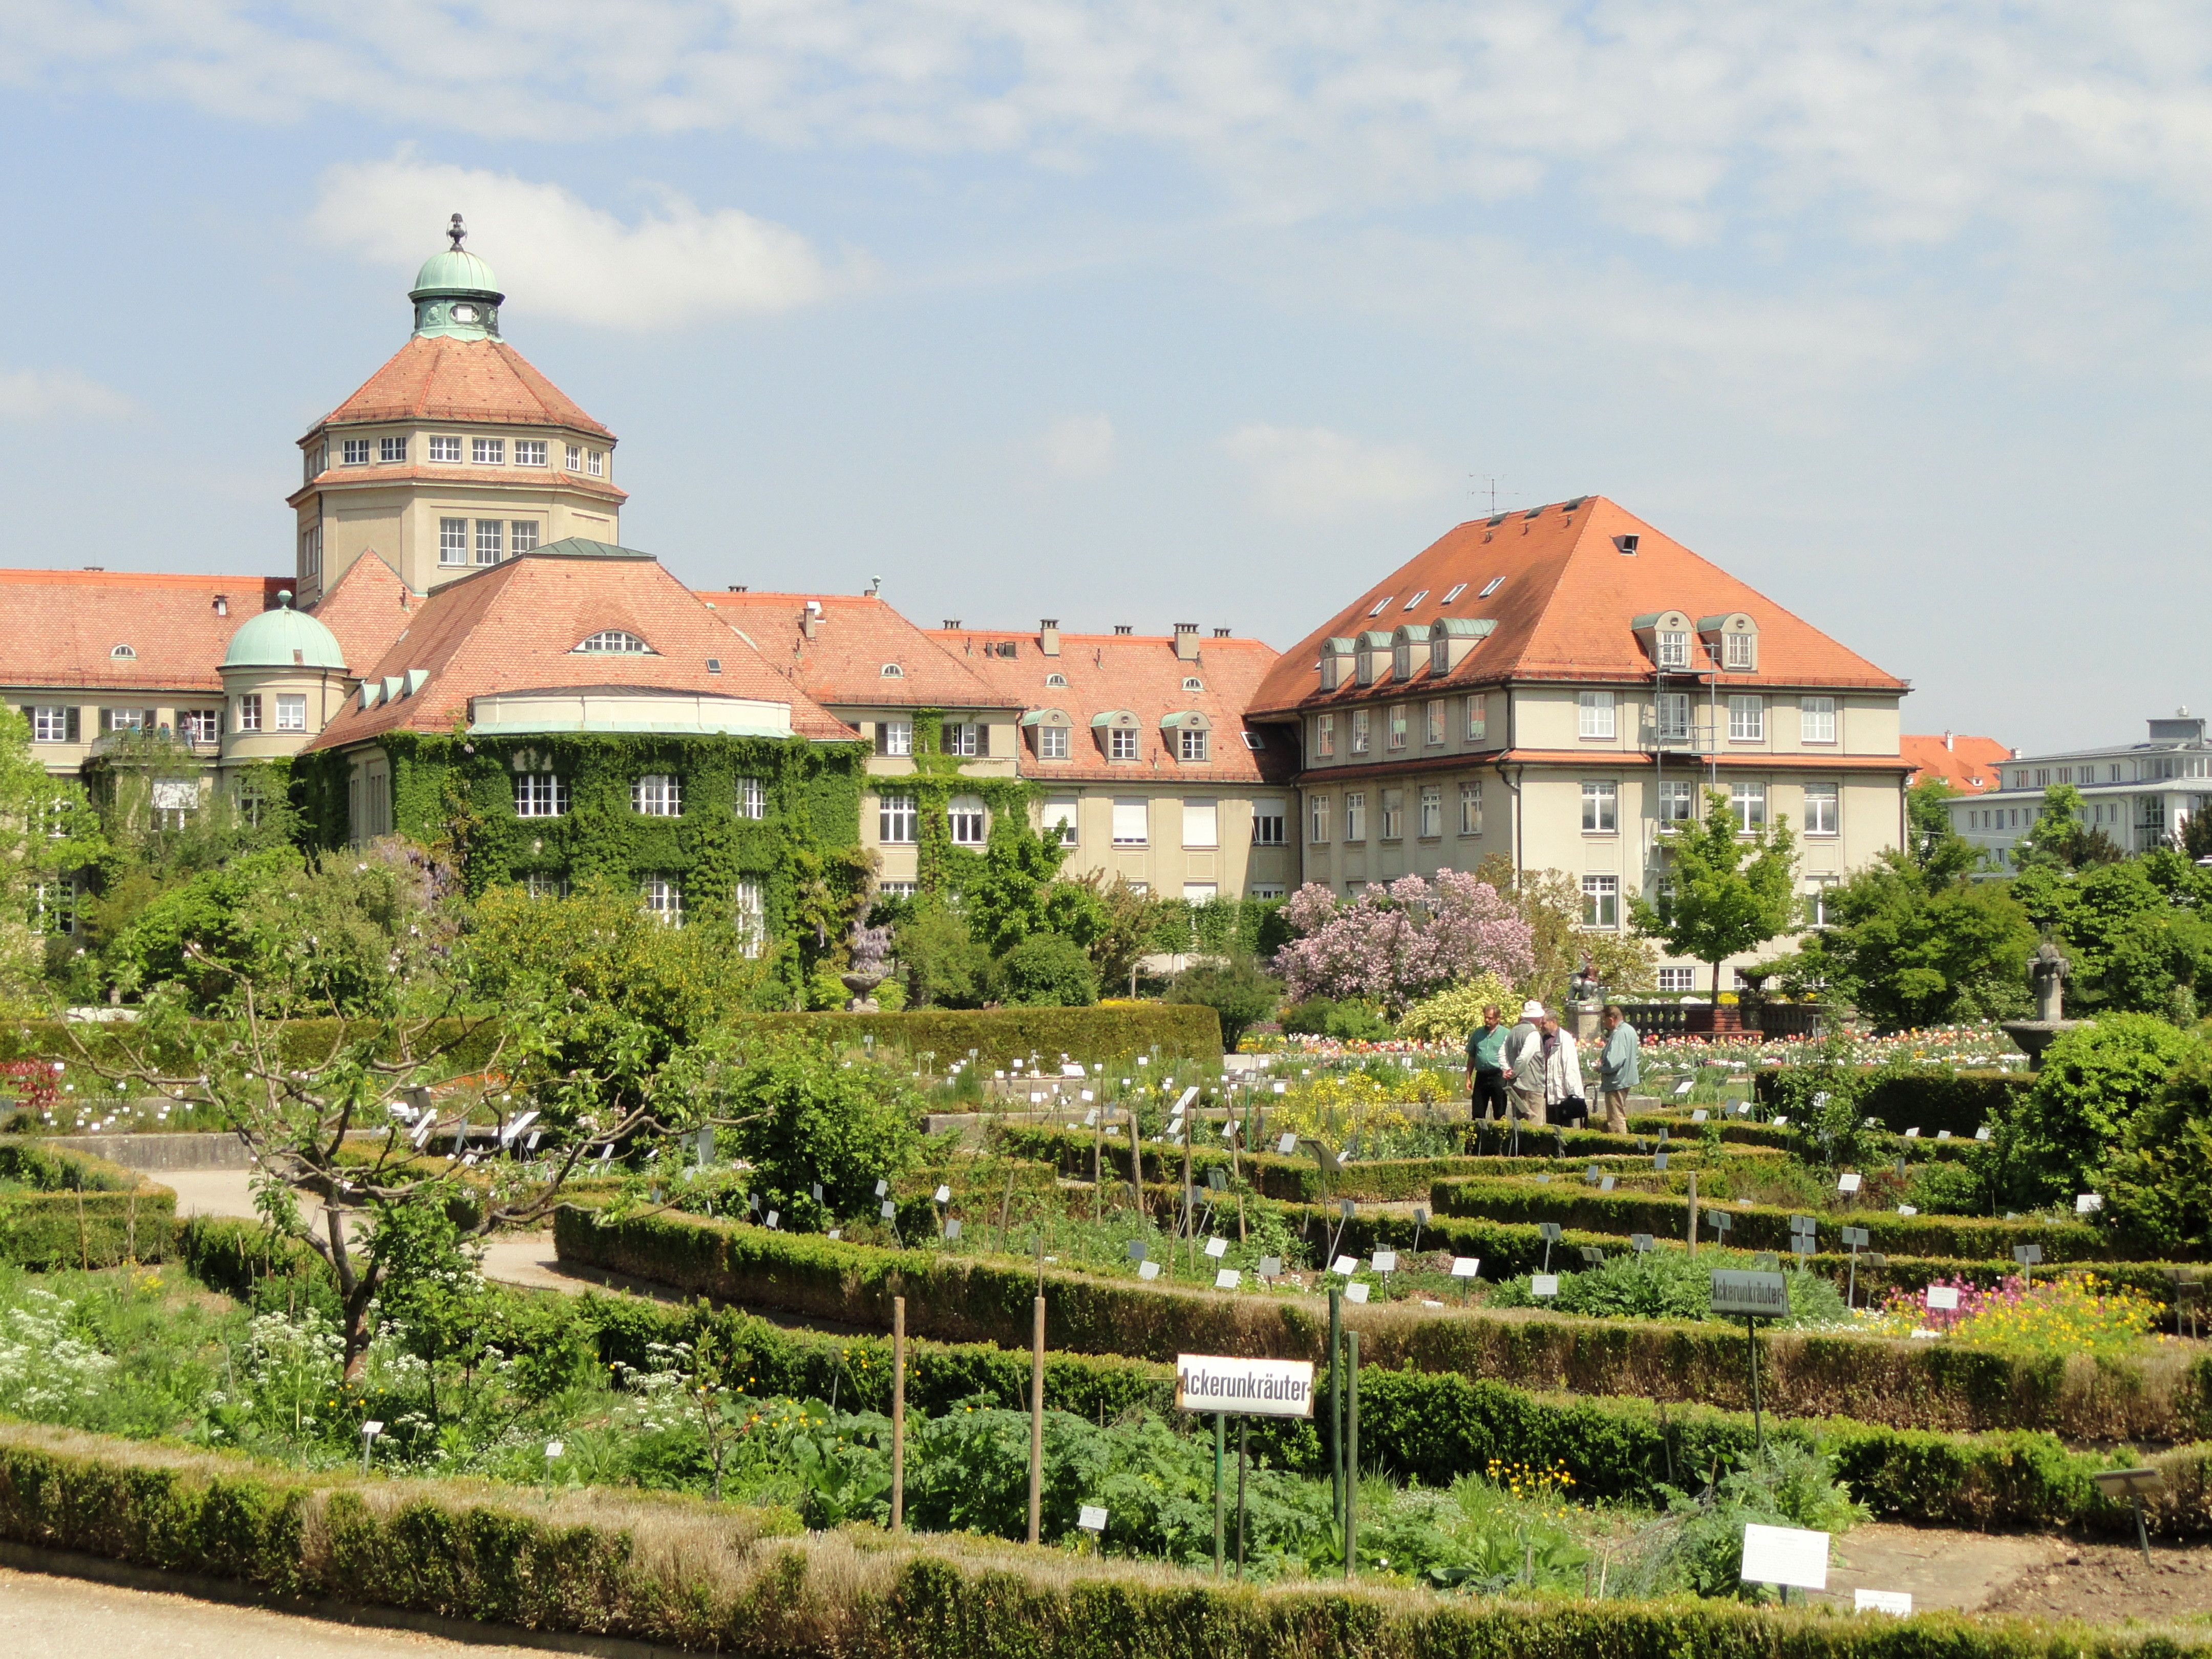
(1395, 945)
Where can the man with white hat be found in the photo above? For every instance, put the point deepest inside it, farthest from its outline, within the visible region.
(1524, 1063)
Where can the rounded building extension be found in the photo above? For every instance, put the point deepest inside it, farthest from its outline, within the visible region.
(283, 638)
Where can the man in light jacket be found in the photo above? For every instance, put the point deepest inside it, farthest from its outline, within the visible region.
(1563, 1073)
(1617, 1071)
(1524, 1063)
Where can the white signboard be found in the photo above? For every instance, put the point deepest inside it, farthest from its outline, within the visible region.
(1386, 1261)
(1762, 1295)
(2088, 1203)
(1092, 1517)
(1944, 1297)
(1847, 1182)
(1897, 1602)
(1216, 1248)
(1544, 1285)
(1355, 1293)
(1148, 1270)
(1346, 1265)
(1251, 1387)
(1467, 1266)
(1785, 1555)
(1228, 1280)
(1286, 1145)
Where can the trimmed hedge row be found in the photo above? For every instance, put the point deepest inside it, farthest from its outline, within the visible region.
(712, 1578)
(1935, 1098)
(84, 1213)
(1759, 1227)
(967, 1298)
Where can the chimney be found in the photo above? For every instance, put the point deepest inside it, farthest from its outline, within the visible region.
(1949, 742)
(2015, 754)
(1186, 641)
(1049, 636)
(739, 587)
(952, 624)
(1220, 633)
(810, 618)
(1120, 628)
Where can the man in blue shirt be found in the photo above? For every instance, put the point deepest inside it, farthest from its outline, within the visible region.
(1486, 1067)
(1617, 1071)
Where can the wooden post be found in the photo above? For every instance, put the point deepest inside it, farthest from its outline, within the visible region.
(1351, 1451)
(1220, 1448)
(1693, 1213)
(1336, 1398)
(898, 1413)
(1189, 1198)
(1037, 1422)
(1136, 1159)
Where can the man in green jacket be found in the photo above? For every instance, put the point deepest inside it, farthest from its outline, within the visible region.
(1486, 1067)
(1617, 1071)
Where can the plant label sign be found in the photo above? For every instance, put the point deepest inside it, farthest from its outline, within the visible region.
(1271, 1266)
(890, 1209)
(1386, 1261)
(1548, 1232)
(1639, 1242)
(1606, 1182)
(2088, 1203)
(1344, 1265)
(1216, 1248)
(1355, 1293)
(1898, 1602)
(1697, 1116)
(2028, 1255)
(1944, 1297)
(1913, 1134)
(1467, 1266)
(1855, 1236)
(1847, 1182)
(1760, 1296)
(1228, 1280)
(1286, 1145)
(1785, 1555)
(1982, 1134)
(1148, 1270)
(1092, 1517)
(1247, 1387)
(1544, 1285)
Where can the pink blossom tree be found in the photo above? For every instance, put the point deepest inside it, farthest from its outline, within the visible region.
(1398, 944)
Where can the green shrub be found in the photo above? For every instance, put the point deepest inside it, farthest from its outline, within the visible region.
(1237, 991)
(1046, 970)
(804, 1116)
(81, 1211)
(1910, 1096)
(2093, 1082)
(1667, 1285)
(2158, 1190)
(1347, 1021)
(1452, 1013)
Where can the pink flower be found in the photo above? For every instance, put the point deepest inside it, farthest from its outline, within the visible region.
(1395, 945)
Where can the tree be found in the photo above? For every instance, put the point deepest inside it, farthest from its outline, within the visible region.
(1916, 942)
(944, 966)
(803, 1117)
(2093, 1082)
(1006, 901)
(1928, 820)
(1551, 903)
(1727, 892)
(2059, 840)
(2158, 1190)
(1125, 921)
(2135, 930)
(1237, 991)
(48, 831)
(1395, 945)
(1045, 971)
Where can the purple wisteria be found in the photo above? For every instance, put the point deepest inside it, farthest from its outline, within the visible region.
(1398, 944)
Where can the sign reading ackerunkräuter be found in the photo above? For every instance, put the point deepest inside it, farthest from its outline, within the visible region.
(1251, 1387)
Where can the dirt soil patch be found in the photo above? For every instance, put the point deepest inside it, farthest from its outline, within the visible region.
(2103, 1583)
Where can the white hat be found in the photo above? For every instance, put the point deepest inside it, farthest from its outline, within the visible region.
(1532, 1010)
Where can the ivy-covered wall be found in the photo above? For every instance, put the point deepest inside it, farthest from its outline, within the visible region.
(940, 866)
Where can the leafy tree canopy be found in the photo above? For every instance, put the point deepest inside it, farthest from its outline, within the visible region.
(1727, 892)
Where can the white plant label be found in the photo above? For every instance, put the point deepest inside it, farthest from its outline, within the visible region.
(1286, 1145)
(1893, 1601)
(1386, 1261)
(1847, 1182)
(1906, 1209)
(1785, 1555)
(1355, 1293)
(1544, 1285)
(1697, 1116)
(942, 1196)
(1216, 1248)
(1945, 1297)
(1344, 1265)
(1091, 1517)
(1250, 1388)
(1467, 1266)
(553, 1450)
(1228, 1280)
(2088, 1203)
(1148, 1270)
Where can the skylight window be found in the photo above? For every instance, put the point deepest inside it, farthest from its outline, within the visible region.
(1055, 682)
(1491, 586)
(1457, 589)
(123, 651)
(893, 672)
(1382, 605)
(1416, 598)
(614, 639)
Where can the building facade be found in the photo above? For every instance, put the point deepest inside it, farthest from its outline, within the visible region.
(1968, 765)
(1556, 687)
(2140, 794)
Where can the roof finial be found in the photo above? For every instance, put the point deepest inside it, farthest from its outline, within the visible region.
(458, 231)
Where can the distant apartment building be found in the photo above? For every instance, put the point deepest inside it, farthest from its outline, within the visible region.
(1969, 765)
(1558, 685)
(2139, 794)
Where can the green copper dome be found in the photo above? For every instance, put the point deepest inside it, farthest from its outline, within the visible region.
(456, 296)
(283, 638)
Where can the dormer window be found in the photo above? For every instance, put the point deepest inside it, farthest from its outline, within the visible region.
(1732, 642)
(891, 671)
(1049, 727)
(1665, 637)
(1192, 735)
(614, 640)
(1055, 682)
(1117, 731)
(1194, 684)
(122, 653)
(1674, 648)
(1739, 651)
(1491, 586)
(1416, 600)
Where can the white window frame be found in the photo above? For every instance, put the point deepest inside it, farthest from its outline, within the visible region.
(575, 457)
(530, 452)
(1818, 821)
(1393, 814)
(1478, 716)
(968, 820)
(1672, 716)
(249, 712)
(353, 452)
(1677, 979)
(521, 537)
(898, 820)
(1600, 807)
(1131, 811)
(200, 724)
(1678, 800)
(488, 452)
(1816, 720)
(1674, 648)
(1431, 825)
(291, 711)
(391, 452)
(1362, 730)
(452, 541)
(1470, 807)
(1747, 717)
(663, 898)
(898, 736)
(1601, 904)
(751, 798)
(749, 912)
(1270, 822)
(613, 642)
(1398, 726)
(1432, 723)
(1121, 742)
(1355, 814)
(1191, 746)
(596, 463)
(50, 722)
(657, 795)
(491, 540)
(1747, 806)
(1318, 815)
(1052, 742)
(962, 737)
(1325, 735)
(1740, 652)
(1593, 714)
(540, 795)
(1064, 812)
(445, 449)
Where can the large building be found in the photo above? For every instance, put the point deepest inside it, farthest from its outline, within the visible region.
(2139, 794)
(1967, 765)
(1557, 686)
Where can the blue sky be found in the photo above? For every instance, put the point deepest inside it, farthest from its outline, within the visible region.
(1151, 312)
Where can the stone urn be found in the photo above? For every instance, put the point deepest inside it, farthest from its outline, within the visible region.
(2047, 970)
(861, 984)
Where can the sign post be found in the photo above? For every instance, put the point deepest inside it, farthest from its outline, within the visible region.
(1241, 1389)
(1755, 1296)
(2131, 1484)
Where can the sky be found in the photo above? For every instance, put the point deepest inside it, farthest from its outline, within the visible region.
(1144, 313)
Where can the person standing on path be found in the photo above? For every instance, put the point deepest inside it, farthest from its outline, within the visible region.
(1617, 1071)
(1486, 1067)
(1562, 1073)
(1523, 1069)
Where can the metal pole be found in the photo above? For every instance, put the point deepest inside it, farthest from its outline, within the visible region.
(1751, 1348)
(1335, 1401)
(2142, 1536)
(1220, 1438)
(1037, 1422)
(1693, 1213)
(1243, 1437)
(898, 1413)
(1351, 1448)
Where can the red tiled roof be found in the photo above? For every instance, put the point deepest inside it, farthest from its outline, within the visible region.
(376, 477)
(367, 609)
(1969, 765)
(514, 627)
(856, 635)
(1109, 672)
(1564, 601)
(479, 381)
(64, 627)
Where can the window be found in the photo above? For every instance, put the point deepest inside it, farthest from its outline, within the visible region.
(1601, 803)
(1594, 714)
(128, 720)
(124, 652)
(1439, 656)
(291, 711)
(574, 458)
(657, 795)
(249, 712)
(597, 463)
(452, 541)
(488, 452)
(895, 737)
(1268, 821)
(1318, 828)
(1121, 742)
(1470, 808)
(540, 795)
(53, 723)
(1266, 890)
(890, 671)
(1192, 682)
(1191, 742)
(897, 823)
(898, 888)
(1416, 598)
(445, 449)
(752, 798)
(1816, 720)
(1201, 824)
(1674, 716)
(1491, 586)
(1130, 826)
(1677, 800)
(1061, 811)
(1816, 903)
(53, 906)
(1055, 682)
(1677, 979)
(491, 537)
(524, 532)
(1052, 742)
(614, 639)
(1748, 802)
(201, 725)
(1382, 605)
(1355, 816)
(1432, 812)
(354, 452)
(749, 910)
(1359, 718)
(1457, 588)
(1746, 719)
(956, 738)
(529, 451)
(1820, 809)
(1673, 647)
(1432, 723)
(1478, 710)
(391, 450)
(1324, 734)
(311, 552)
(1601, 902)
(1740, 651)
(1199, 892)
(1401, 661)
(664, 901)
(1397, 726)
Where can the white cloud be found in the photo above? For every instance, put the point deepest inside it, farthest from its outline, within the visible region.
(1310, 472)
(1080, 446)
(560, 257)
(30, 394)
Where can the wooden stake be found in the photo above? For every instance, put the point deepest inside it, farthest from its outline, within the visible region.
(898, 1413)
(1693, 1213)
(1037, 1422)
